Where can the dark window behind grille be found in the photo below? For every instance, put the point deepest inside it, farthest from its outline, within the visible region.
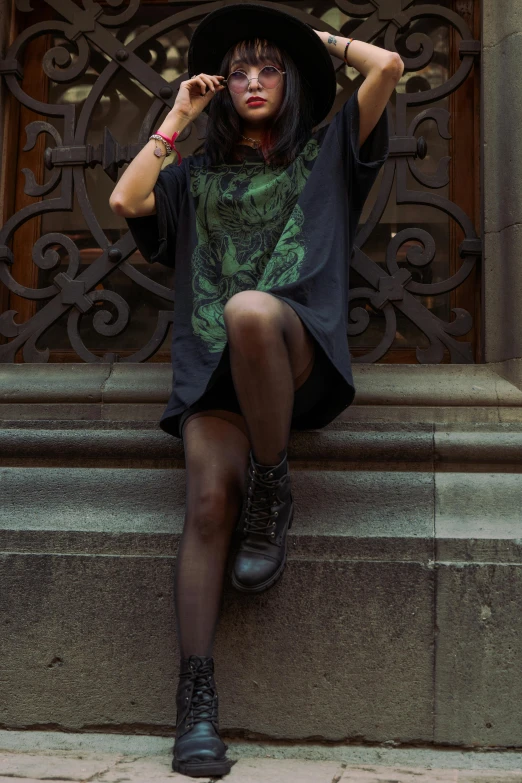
(390, 333)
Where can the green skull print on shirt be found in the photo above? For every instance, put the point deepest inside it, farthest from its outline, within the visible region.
(249, 230)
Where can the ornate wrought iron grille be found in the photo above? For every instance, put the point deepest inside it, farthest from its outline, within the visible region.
(95, 44)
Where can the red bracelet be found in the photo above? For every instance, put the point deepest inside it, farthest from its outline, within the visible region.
(171, 142)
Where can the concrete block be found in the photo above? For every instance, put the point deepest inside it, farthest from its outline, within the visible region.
(472, 509)
(83, 446)
(364, 503)
(428, 414)
(140, 446)
(139, 411)
(501, 18)
(502, 152)
(47, 411)
(478, 690)
(385, 393)
(363, 674)
(336, 650)
(92, 500)
(511, 369)
(483, 444)
(132, 383)
(477, 517)
(370, 514)
(503, 288)
(381, 443)
(393, 447)
(90, 642)
(65, 383)
(430, 385)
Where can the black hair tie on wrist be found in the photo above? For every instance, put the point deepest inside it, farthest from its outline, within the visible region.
(346, 49)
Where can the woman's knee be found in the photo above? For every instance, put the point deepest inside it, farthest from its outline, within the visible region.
(212, 510)
(253, 315)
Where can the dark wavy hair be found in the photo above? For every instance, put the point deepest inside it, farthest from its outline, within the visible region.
(291, 127)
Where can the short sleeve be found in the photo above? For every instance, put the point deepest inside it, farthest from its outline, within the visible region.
(155, 235)
(361, 164)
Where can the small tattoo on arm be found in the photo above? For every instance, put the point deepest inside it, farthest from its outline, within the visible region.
(332, 39)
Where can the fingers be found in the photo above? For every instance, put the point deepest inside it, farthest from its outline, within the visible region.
(205, 81)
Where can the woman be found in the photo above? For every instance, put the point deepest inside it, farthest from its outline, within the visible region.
(259, 229)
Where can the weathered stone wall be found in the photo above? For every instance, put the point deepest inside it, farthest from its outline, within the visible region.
(502, 161)
(397, 619)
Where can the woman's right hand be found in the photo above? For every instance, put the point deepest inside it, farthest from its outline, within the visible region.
(194, 94)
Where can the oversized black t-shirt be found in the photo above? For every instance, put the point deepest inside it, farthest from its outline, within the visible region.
(251, 226)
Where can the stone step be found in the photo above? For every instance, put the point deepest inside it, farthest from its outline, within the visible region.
(397, 619)
(141, 443)
(384, 393)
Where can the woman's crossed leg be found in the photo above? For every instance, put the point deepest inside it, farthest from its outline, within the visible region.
(269, 348)
(216, 455)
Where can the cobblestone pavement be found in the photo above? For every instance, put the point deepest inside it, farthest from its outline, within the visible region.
(98, 759)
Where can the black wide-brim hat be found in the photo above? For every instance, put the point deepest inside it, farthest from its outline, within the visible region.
(228, 25)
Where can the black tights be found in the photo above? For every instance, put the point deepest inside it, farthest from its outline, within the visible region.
(269, 349)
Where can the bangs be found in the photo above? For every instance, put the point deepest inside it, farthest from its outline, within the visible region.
(292, 124)
(254, 50)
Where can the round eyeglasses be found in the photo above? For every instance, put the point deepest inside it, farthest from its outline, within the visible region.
(268, 77)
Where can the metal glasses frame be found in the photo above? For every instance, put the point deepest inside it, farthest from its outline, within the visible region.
(257, 77)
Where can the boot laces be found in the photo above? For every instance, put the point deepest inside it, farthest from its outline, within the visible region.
(203, 706)
(258, 511)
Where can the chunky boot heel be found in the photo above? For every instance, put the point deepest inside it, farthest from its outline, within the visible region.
(198, 750)
(266, 517)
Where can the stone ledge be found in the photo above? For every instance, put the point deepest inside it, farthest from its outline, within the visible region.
(339, 650)
(136, 446)
(142, 444)
(365, 514)
(336, 650)
(494, 385)
(339, 514)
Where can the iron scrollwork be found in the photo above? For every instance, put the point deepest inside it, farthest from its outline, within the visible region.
(75, 293)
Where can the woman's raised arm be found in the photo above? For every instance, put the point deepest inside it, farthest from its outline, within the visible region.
(133, 195)
(382, 70)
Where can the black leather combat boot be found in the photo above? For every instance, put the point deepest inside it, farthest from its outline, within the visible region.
(198, 749)
(266, 517)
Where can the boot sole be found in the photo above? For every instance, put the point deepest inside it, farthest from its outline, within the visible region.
(274, 578)
(200, 769)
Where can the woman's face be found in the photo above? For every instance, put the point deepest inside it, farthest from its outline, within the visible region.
(260, 114)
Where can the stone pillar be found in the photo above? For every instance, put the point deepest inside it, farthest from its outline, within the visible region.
(502, 185)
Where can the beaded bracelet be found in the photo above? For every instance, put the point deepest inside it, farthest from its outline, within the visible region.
(346, 49)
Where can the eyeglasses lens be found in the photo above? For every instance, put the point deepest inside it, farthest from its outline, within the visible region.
(269, 77)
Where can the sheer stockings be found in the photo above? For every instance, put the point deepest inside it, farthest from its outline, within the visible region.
(269, 346)
(271, 354)
(216, 454)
